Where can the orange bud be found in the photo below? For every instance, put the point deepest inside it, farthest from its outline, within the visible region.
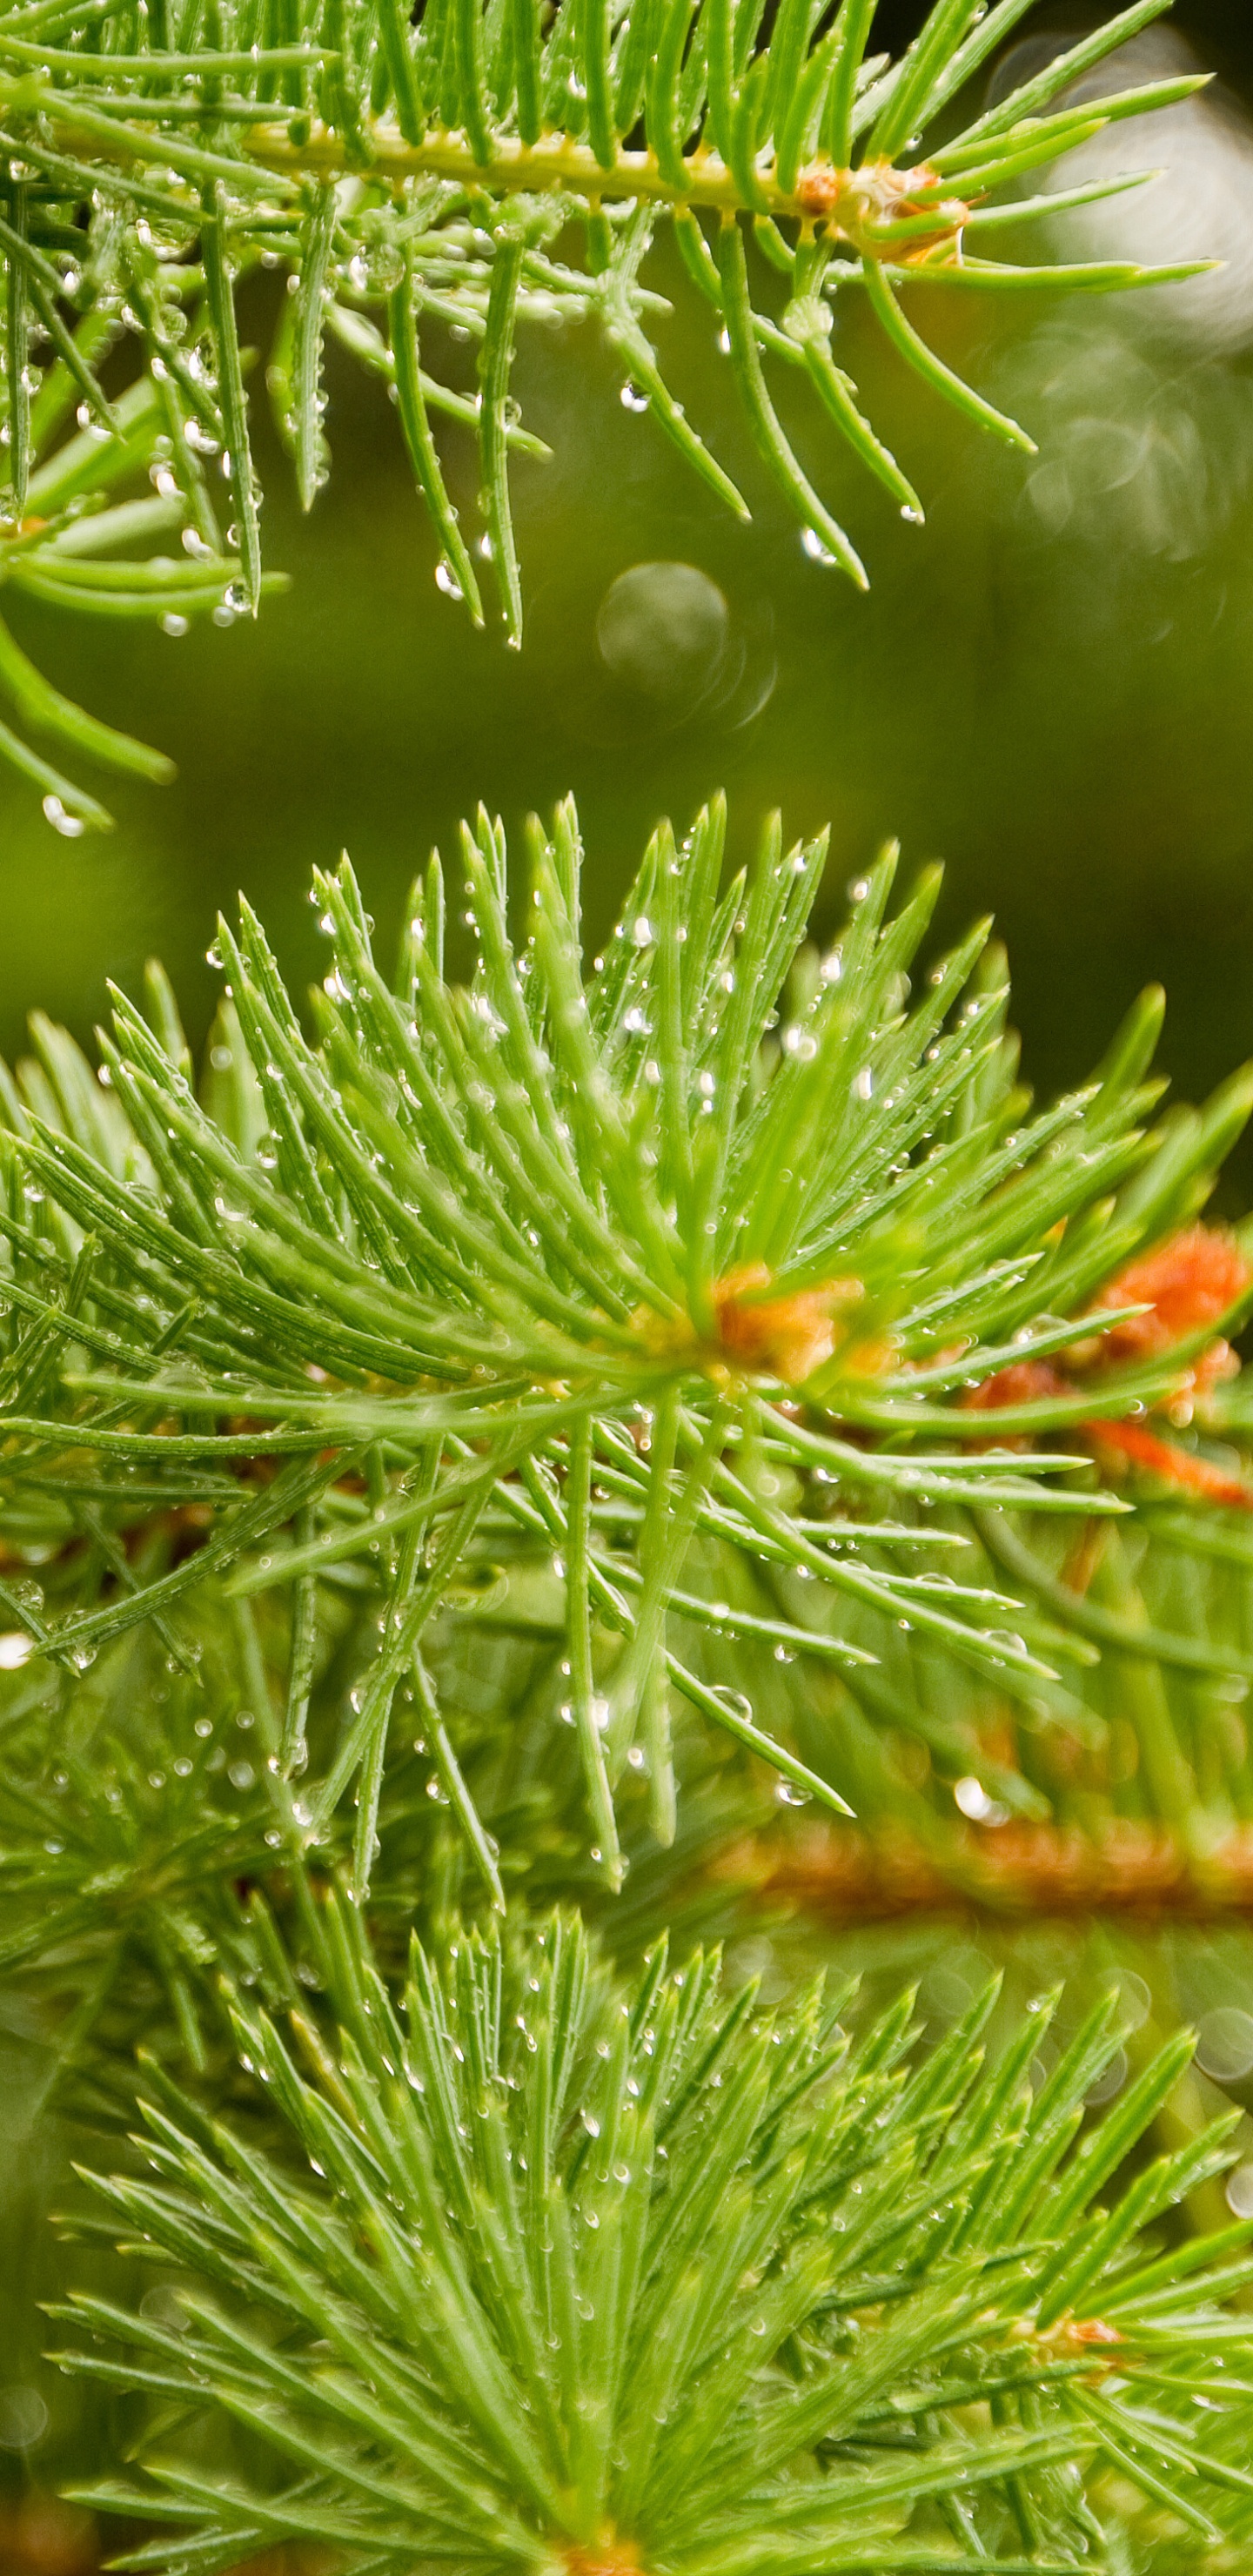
(1186, 1284)
(784, 1337)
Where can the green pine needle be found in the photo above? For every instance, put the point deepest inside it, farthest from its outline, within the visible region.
(719, 1233)
(504, 165)
(536, 2271)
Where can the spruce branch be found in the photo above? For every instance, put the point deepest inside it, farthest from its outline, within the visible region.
(537, 2270)
(480, 169)
(721, 1254)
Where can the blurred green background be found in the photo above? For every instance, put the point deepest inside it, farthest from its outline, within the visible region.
(1049, 685)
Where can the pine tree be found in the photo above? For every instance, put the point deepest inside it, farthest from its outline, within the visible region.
(515, 1477)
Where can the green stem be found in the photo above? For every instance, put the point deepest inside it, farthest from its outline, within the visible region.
(552, 165)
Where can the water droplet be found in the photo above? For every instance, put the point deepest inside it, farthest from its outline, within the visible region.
(70, 826)
(632, 399)
(1224, 2049)
(173, 624)
(23, 2419)
(815, 549)
(446, 580)
(970, 1795)
(662, 630)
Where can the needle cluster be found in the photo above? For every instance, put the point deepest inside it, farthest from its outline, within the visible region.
(453, 180)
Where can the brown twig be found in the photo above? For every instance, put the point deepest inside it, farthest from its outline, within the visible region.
(844, 1875)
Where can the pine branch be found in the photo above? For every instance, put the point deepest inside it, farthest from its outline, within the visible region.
(482, 169)
(508, 1433)
(727, 1288)
(536, 2271)
(60, 545)
(135, 1807)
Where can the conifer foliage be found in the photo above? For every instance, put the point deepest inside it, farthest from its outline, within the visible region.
(453, 1429)
(486, 167)
(539, 2271)
(492, 1445)
(552, 1247)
